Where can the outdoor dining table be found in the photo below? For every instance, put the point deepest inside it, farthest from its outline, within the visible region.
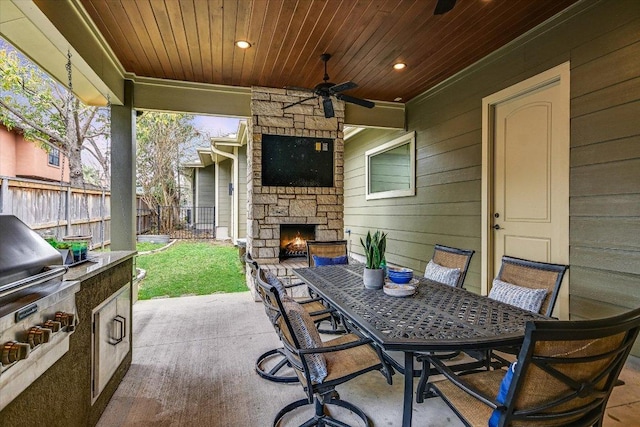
(436, 317)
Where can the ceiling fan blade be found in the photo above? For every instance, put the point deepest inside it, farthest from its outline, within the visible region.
(444, 6)
(327, 105)
(342, 87)
(357, 101)
(298, 102)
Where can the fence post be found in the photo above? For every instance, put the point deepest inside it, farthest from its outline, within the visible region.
(159, 221)
(4, 195)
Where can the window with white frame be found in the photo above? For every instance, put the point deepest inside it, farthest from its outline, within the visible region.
(54, 157)
(390, 169)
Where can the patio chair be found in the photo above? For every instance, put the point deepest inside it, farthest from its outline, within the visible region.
(450, 259)
(270, 364)
(448, 265)
(325, 253)
(532, 275)
(535, 287)
(330, 252)
(564, 375)
(525, 281)
(319, 366)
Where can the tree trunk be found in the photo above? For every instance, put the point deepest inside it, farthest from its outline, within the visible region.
(75, 167)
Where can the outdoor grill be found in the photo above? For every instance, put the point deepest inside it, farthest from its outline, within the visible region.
(37, 307)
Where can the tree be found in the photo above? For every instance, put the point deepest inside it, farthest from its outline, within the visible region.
(161, 140)
(49, 114)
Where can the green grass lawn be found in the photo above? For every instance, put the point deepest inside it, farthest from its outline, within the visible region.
(191, 268)
(148, 246)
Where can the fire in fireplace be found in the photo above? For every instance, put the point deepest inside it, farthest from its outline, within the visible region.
(293, 239)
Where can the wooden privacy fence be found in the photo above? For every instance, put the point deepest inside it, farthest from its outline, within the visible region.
(60, 210)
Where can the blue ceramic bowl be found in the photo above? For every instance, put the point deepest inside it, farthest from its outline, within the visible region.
(400, 275)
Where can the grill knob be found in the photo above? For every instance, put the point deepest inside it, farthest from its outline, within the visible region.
(66, 320)
(38, 335)
(12, 351)
(53, 325)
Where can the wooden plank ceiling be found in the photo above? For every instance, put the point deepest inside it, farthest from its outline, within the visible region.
(193, 40)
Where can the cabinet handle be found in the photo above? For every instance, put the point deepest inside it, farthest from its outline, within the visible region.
(122, 322)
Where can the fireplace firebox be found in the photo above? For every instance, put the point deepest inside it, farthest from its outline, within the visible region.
(293, 239)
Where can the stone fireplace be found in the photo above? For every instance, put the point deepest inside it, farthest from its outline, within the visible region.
(270, 207)
(293, 240)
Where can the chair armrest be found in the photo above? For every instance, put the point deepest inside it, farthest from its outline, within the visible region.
(459, 381)
(307, 301)
(318, 312)
(332, 348)
(293, 285)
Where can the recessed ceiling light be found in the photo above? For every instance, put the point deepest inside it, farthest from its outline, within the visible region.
(243, 44)
(399, 65)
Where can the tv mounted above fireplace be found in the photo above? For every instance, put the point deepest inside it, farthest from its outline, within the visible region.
(292, 161)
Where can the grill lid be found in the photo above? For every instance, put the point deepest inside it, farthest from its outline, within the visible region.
(23, 252)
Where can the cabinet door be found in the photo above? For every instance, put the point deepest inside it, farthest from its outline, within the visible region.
(111, 337)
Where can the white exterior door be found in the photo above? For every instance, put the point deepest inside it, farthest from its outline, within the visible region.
(528, 216)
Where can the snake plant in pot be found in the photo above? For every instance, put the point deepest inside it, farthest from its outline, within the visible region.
(374, 248)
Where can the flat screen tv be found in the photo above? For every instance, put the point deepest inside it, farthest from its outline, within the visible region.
(292, 161)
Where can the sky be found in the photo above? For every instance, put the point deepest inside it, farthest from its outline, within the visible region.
(216, 126)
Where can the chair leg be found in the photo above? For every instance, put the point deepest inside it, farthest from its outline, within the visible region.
(321, 417)
(290, 407)
(422, 384)
(272, 374)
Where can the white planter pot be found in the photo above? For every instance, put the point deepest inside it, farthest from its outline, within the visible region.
(373, 278)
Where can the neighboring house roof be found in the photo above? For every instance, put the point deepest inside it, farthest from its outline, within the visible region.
(221, 148)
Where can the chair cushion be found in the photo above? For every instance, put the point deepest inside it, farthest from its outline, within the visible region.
(308, 337)
(319, 261)
(525, 298)
(502, 394)
(439, 273)
(273, 280)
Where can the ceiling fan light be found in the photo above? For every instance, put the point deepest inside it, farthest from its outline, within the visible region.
(243, 44)
(399, 66)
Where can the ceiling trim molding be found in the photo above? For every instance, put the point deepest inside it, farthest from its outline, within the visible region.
(524, 39)
(187, 97)
(385, 115)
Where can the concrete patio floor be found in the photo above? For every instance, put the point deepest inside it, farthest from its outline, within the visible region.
(193, 365)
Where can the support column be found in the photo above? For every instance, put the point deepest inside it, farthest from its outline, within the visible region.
(123, 173)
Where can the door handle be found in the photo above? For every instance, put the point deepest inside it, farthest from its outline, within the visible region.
(497, 227)
(122, 323)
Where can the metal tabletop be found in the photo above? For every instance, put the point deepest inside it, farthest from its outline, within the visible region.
(437, 317)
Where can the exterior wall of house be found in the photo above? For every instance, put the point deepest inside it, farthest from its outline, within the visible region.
(7, 152)
(22, 158)
(242, 192)
(224, 199)
(602, 42)
(206, 194)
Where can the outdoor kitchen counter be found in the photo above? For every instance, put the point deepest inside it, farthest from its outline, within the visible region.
(62, 396)
(97, 264)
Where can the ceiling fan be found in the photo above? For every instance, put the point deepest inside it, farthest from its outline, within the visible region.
(326, 90)
(444, 6)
